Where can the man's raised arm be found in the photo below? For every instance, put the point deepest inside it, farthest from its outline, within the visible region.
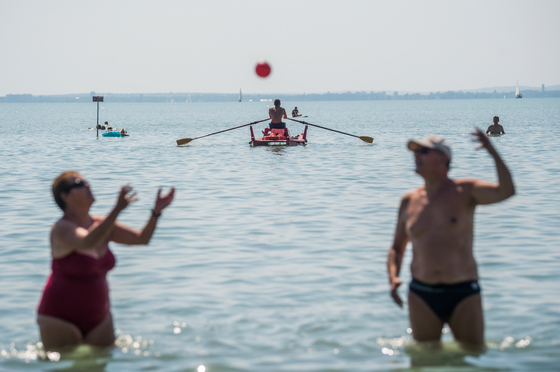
(486, 192)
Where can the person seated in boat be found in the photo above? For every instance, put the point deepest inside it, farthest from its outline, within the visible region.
(276, 114)
(495, 128)
(295, 112)
(123, 132)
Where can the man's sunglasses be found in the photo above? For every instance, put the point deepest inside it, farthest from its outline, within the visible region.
(77, 184)
(425, 150)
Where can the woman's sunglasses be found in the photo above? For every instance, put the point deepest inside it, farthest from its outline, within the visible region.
(77, 184)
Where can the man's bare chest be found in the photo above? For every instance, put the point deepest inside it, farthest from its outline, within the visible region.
(443, 213)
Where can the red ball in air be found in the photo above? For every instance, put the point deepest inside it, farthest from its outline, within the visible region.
(263, 69)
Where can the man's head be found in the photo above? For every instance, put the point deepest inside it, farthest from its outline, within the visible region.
(432, 155)
(276, 102)
(496, 120)
(106, 123)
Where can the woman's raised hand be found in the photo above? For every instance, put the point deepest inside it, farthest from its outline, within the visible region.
(126, 197)
(163, 201)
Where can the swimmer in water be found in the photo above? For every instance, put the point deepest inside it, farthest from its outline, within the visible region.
(438, 219)
(75, 305)
(495, 128)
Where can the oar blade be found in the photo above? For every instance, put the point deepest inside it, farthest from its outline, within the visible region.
(184, 141)
(366, 139)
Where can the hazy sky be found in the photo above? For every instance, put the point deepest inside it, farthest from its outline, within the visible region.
(57, 47)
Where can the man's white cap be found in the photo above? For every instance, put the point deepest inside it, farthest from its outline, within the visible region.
(431, 142)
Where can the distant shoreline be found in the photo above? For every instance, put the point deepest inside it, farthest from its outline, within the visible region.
(234, 97)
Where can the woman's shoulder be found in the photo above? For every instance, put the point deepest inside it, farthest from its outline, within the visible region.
(65, 224)
(62, 223)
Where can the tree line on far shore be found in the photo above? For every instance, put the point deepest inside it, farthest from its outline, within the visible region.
(234, 97)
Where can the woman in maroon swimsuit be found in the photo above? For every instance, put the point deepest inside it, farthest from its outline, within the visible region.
(75, 303)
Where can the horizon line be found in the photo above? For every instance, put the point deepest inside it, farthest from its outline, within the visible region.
(526, 87)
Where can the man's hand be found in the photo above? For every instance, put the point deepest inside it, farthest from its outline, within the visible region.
(483, 140)
(486, 192)
(395, 284)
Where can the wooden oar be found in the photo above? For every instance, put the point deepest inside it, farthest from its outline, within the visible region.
(363, 138)
(187, 140)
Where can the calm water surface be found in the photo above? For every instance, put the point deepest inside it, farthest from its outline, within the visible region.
(273, 259)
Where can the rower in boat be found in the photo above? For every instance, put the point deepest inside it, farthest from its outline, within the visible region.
(276, 114)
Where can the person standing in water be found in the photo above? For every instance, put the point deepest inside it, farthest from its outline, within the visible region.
(438, 219)
(495, 128)
(276, 114)
(75, 304)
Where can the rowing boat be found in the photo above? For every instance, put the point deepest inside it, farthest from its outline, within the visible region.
(278, 136)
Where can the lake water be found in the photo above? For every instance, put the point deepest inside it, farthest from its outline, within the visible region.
(273, 258)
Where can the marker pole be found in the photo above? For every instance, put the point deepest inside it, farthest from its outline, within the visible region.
(97, 99)
(97, 119)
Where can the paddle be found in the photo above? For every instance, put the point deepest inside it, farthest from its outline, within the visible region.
(363, 138)
(187, 140)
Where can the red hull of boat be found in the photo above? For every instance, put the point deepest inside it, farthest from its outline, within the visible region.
(278, 137)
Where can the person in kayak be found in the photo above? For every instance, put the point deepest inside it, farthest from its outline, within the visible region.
(438, 219)
(495, 128)
(276, 114)
(295, 112)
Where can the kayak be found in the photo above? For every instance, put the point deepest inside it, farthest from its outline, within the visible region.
(299, 116)
(278, 136)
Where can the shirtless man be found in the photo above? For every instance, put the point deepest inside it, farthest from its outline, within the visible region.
(495, 128)
(276, 113)
(438, 220)
(295, 112)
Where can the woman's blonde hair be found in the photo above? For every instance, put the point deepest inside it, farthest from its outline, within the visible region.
(60, 185)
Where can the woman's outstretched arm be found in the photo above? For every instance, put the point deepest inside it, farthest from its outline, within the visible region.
(67, 237)
(123, 234)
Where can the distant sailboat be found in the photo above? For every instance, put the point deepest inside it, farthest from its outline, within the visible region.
(517, 94)
(240, 96)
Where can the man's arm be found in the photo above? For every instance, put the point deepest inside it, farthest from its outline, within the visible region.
(285, 116)
(488, 130)
(502, 128)
(270, 113)
(396, 252)
(486, 192)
